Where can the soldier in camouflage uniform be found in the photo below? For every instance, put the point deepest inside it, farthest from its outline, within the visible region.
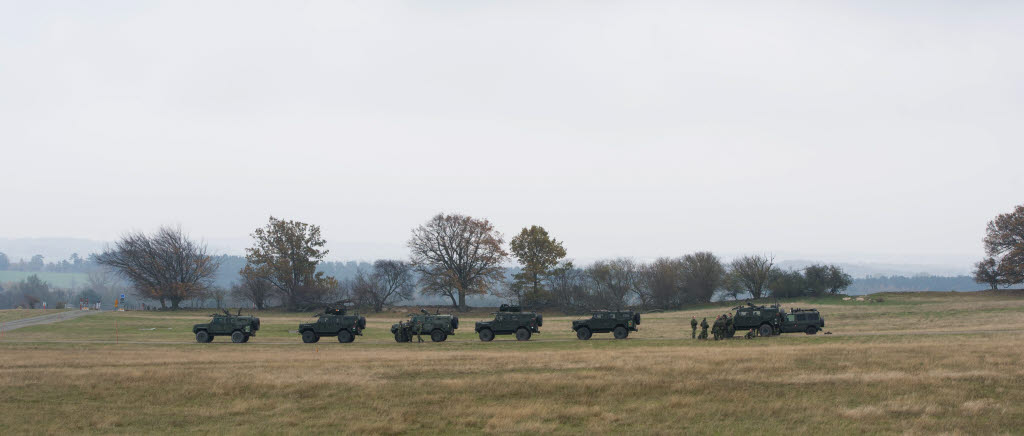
(693, 325)
(730, 326)
(716, 328)
(703, 329)
(751, 334)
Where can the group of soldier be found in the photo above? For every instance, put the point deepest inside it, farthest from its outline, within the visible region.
(723, 328)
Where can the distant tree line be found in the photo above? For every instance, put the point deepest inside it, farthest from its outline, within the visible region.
(73, 264)
(453, 257)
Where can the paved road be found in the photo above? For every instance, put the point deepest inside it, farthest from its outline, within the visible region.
(46, 319)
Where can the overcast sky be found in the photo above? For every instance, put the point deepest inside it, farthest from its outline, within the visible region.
(845, 131)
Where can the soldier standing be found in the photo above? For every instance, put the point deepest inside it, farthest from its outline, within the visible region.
(730, 326)
(419, 331)
(704, 328)
(693, 325)
(716, 328)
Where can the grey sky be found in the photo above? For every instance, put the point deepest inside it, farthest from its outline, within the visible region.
(842, 131)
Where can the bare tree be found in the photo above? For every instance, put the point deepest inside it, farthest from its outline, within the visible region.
(457, 255)
(167, 266)
(664, 280)
(753, 273)
(253, 290)
(390, 282)
(703, 274)
(569, 290)
(614, 280)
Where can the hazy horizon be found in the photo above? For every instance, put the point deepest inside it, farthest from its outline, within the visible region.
(869, 132)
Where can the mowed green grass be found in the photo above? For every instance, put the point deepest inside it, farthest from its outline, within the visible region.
(916, 363)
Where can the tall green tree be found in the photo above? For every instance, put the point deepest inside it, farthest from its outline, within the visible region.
(285, 254)
(540, 256)
(1004, 242)
(457, 255)
(987, 272)
(838, 280)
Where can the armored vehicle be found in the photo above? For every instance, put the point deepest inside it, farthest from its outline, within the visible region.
(772, 320)
(803, 320)
(333, 322)
(767, 320)
(619, 322)
(437, 326)
(239, 327)
(510, 320)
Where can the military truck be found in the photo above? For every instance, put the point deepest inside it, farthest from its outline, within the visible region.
(239, 327)
(437, 326)
(773, 320)
(618, 322)
(333, 322)
(510, 320)
(798, 320)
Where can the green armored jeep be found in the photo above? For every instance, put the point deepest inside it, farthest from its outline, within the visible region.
(333, 322)
(767, 320)
(437, 326)
(239, 327)
(510, 320)
(619, 322)
(803, 320)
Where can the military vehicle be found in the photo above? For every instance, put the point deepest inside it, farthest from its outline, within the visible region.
(619, 322)
(333, 322)
(510, 320)
(437, 326)
(803, 320)
(773, 320)
(767, 320)
(239, 327)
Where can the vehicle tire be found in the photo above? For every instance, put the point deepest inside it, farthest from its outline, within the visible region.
(811, 330)
(308, 337)
(766, 330)
(522, 334)
(438, 336)
(583, 333)
(540, 320)
(362, 323)
(399, 337)
(345, 336)
(636, 318)
(486, 335)
(455, 322)
(621, 332)
(237, 337)
(202, 337)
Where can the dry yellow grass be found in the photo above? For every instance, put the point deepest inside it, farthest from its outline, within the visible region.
(911, 384)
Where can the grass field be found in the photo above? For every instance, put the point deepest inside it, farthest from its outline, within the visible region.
(7, 315)
(916, 363)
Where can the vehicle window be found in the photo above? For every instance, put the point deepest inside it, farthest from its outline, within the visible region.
(744, 313)
(801, 317)
(757, 313)
(812, 316)
(598, 316)
(791, 318)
